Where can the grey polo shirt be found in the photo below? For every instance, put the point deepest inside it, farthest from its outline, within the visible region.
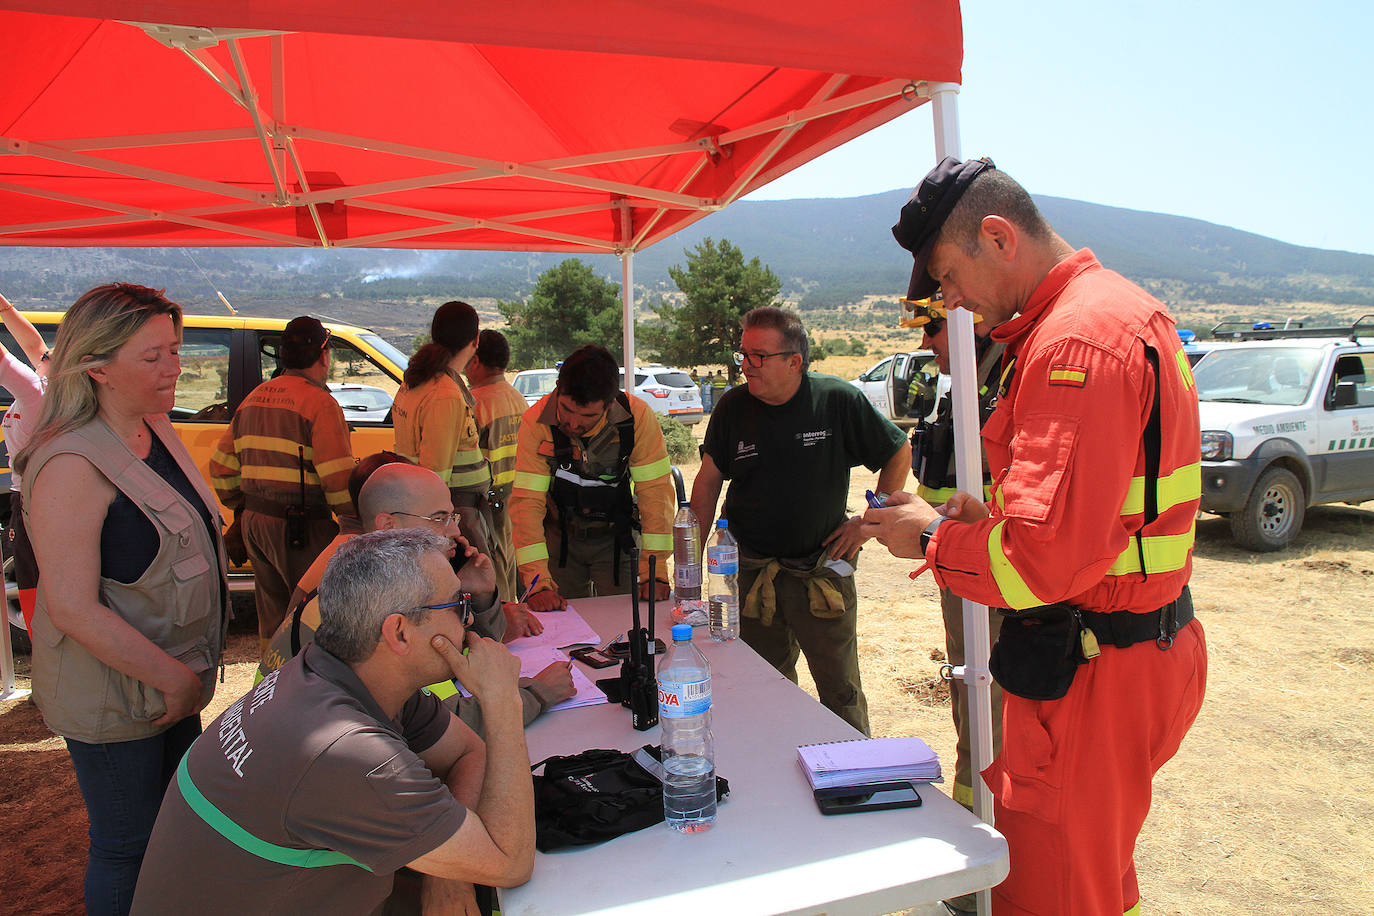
(306, 760)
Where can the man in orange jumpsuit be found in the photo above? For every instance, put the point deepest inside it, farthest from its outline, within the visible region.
(1087, 540)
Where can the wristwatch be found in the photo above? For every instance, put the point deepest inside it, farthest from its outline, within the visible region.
(930, 533)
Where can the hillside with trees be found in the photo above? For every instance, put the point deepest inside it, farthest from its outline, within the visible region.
(833, 258)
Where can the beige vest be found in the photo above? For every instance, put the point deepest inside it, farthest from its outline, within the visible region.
(179, 602)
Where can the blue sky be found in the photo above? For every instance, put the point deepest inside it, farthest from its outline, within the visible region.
(1253, 115)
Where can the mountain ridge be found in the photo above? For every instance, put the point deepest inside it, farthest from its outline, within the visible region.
(827, 252)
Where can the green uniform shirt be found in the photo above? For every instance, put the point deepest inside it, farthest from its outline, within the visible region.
(788, 465)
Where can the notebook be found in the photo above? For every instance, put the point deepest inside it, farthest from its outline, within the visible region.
(864, 761)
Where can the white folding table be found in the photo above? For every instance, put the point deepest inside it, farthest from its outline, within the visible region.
(770, 850)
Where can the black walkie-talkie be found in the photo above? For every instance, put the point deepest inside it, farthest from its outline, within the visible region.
(295, 512)
(638, 683)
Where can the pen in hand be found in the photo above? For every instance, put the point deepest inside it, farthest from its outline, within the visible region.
(529, 590)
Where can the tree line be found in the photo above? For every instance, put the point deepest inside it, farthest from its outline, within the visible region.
(571, 305)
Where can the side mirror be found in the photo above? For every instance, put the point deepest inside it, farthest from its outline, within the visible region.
(1345, 395)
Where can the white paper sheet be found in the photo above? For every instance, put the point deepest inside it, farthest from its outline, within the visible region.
(534, 659)
(561, 628)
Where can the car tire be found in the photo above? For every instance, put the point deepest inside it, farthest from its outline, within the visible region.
(1273, 514)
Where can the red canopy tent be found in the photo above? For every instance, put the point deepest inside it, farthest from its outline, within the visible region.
(551, 125)
(579, 126)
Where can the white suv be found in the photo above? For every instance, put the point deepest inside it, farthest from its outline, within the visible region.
(1287, 422)
(668, 391)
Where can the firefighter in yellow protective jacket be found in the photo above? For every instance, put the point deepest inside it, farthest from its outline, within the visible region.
(581, 450)
(435, 426)
(283, 466)
(498, 408)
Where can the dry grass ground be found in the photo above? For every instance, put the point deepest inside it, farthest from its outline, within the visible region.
(1266, 809)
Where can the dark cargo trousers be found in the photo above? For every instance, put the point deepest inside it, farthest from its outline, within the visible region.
(831, 645)
(276, 567)
(590, 568)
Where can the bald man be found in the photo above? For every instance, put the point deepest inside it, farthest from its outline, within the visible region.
(403, 495)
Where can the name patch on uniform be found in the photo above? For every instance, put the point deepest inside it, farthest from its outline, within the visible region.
(1068, 376)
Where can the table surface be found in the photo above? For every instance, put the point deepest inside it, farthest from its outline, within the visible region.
(770, 850)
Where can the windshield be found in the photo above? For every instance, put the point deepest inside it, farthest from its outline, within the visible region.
(1281, 376)
(386, 349)
(536, 384)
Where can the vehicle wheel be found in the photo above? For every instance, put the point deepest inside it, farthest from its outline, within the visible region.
(1273, 515)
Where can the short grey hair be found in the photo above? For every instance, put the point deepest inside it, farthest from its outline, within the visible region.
(992, 193)
(367, 580)
(787, 323)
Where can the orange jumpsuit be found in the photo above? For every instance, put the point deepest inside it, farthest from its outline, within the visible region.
(1065, 447)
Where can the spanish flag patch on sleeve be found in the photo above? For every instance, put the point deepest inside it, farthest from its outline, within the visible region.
(1068, 376)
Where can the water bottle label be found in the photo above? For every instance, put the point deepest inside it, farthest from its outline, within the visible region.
(676, 701)
(687, 576)
(722, 561)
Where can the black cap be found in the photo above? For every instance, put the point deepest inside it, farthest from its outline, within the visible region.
(925, 213)
(302, 342)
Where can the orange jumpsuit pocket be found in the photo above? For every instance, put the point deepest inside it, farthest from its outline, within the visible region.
(1042, 452)
(1030, 775)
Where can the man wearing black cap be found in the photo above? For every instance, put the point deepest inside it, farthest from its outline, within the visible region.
(1086, 540)
(283, 466)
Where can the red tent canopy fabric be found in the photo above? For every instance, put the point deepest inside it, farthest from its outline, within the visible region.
(577, 126)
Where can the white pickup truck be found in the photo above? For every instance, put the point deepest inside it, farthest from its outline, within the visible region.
(1287, 422)
(904, 386)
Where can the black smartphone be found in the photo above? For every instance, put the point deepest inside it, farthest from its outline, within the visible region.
(590, 655)
(877, 797)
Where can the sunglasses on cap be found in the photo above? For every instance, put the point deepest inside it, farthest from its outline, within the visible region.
(927, 314)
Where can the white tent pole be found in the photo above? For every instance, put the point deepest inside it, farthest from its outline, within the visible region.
(627, 297)
(968, 450)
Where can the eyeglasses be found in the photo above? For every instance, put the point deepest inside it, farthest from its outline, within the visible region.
(756, 359)
(442, 519)
(462, 607)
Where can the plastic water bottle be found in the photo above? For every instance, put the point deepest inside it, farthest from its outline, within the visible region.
(689, 608)
(689, 751)
(722, 583)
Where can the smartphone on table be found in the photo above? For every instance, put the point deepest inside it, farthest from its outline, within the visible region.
(881, 796)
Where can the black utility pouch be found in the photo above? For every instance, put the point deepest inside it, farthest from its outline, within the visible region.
(296, 525)
(1038, 652)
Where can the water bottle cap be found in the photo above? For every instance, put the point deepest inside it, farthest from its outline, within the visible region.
(722, 523)
(682, 632)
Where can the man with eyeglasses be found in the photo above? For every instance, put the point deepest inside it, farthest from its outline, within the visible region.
(786, 441)
(395, 495)
(282, 466)
(312, 790)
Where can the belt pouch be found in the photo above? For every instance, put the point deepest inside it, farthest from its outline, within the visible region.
(1037, 652)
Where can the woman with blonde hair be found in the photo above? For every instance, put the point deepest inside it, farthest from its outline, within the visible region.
(127, 636)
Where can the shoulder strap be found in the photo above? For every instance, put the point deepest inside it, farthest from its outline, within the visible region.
(296, 621)
(1153, 441)
(626, 428)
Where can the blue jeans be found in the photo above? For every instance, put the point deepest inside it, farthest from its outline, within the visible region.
(123, 783)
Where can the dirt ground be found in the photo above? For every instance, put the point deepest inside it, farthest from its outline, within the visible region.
(1266, 809)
